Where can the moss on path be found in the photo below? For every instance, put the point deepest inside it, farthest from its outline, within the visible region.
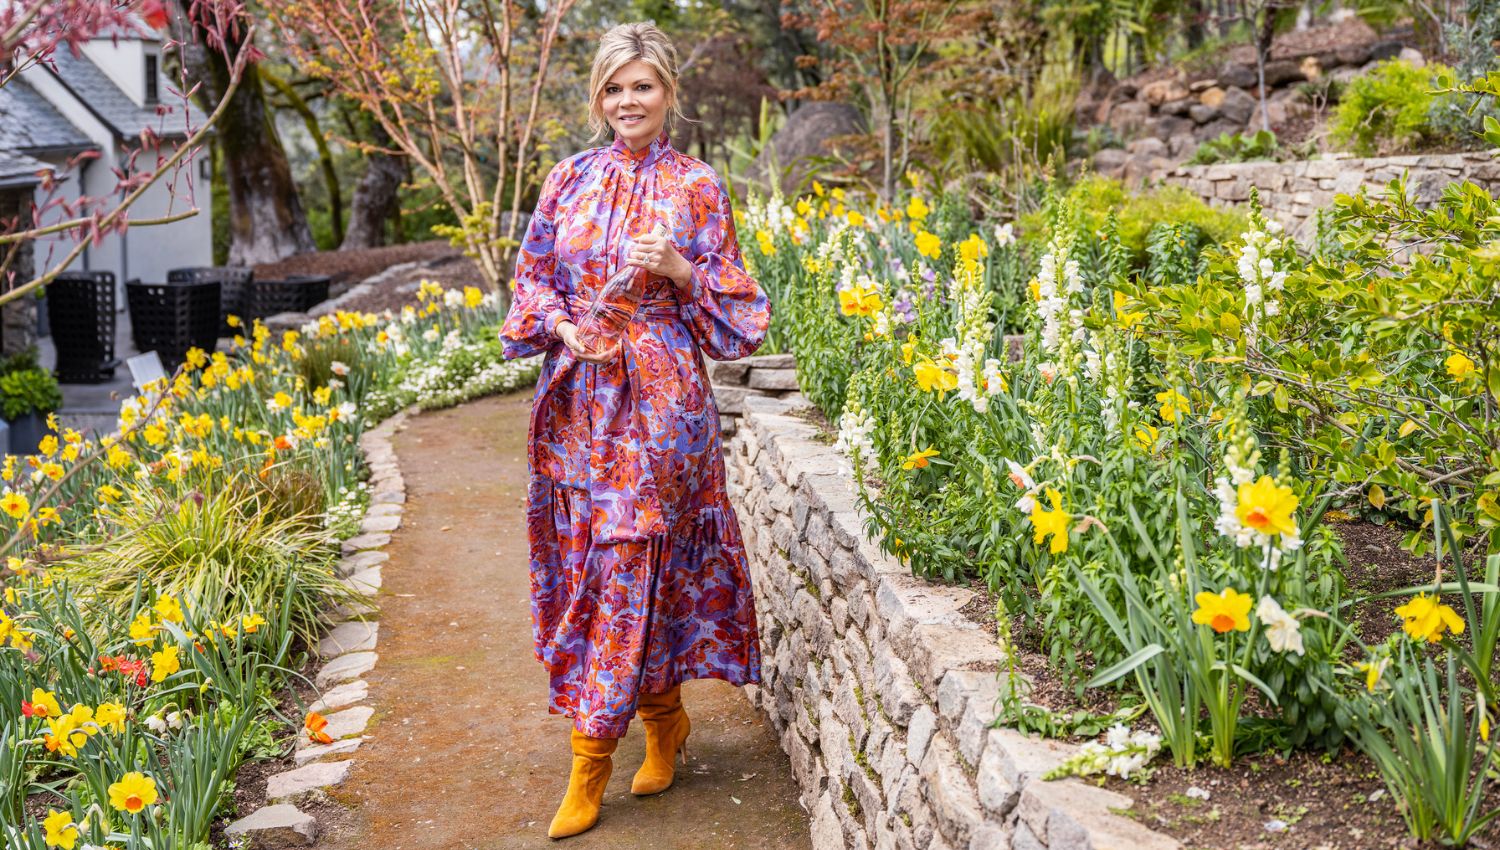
(462, 752)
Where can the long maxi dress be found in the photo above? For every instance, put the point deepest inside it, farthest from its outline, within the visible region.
(638, 572)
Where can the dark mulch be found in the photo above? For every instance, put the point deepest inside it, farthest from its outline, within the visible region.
(1308, 800)
(354, 266)
(438, 261)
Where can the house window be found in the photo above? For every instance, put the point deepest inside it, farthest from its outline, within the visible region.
(151, 81)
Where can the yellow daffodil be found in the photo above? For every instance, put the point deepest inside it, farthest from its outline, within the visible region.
(803, 207)
(43, 704)
(931, 376)
(1459, 366)
(1267, 507)
(48, 446)
(1225, 611)
(929, 245)
(971, 251)
(110, 716)
(155, 434)
(1373, 670)
(856, 219)
(168, 609)
(16, 505)
(251, 623)
(473, 297)
(1053, 523)
(133, 793)
(1173, 404)
(59, 831)
(52, 470)
(918, 460)
(164, 663)
(859, 300)
(142, 631)
(1426, 618)
(64, 735)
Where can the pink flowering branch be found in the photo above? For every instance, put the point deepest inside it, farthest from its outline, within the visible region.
(31, 31)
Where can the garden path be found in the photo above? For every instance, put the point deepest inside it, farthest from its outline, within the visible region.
(462, 752)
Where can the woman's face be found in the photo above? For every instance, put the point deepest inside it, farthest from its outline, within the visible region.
(635, 104)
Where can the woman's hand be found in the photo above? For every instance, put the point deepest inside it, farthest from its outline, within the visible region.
(655, 253)
(568, 333)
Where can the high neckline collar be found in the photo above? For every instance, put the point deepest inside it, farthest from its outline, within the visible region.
(623, 155)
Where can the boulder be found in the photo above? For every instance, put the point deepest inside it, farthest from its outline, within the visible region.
(1198, 86)
(1110, 161)
(1352, 54)
(1281, 72)
(1238, 106)
(1149, 146)
(1167, 126)
(1182, 147)
(1413, 57)
(1211, 97)
(1216, 128)
(1159, 92)
(1237, 75)
(1382, 50)
(1177, 107)
(1201, 113)
(805, 134)
(1128, 118)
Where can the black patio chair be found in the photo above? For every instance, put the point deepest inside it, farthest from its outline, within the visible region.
(233, 281)
(294, 294)
(82, 307)
(170, 318)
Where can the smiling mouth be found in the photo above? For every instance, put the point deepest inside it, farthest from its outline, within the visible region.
(631, 119)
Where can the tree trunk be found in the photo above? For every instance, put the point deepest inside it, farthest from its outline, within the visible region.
(266, 219)
(374, 202)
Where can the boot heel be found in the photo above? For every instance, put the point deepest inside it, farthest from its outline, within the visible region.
(682, 752)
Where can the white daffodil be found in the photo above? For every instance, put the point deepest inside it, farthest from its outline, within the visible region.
(1283, 631)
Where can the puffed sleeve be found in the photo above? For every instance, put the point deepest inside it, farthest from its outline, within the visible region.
(722, 305)
(537, 306)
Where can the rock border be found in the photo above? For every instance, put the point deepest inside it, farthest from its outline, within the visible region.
(883, 693)
(349, 652)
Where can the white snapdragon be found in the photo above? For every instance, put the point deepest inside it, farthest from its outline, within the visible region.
(1262, 281)
(1123, 753)
(1005, 235)
(855, 428)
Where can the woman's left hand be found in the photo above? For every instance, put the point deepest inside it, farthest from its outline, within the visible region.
(656, 253)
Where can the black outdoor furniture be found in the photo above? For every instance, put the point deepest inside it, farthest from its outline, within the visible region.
(232, 280)
(293, 294)
(83, 326)
(170, 318)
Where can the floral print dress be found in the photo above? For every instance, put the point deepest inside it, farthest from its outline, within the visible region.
(638, 573)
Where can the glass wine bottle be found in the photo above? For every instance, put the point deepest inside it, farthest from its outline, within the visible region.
(603, 324)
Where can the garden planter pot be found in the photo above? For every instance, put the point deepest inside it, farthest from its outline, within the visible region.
(26, 433)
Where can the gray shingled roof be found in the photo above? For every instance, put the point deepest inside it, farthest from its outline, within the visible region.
(30, 125)
(101, 96)
(19, 170)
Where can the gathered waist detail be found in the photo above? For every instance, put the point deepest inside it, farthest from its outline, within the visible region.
(655, 309)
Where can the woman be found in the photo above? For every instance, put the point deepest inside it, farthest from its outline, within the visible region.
(638, 574)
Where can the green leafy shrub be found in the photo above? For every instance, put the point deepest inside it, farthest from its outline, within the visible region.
(1094, 198)
(1388, 109)
(1236, 147)
(28, 391)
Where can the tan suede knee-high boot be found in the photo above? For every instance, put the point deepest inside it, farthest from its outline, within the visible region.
(667, 729)
(591, 769)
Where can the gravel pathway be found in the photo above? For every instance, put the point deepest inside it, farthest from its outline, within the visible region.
(462, 752)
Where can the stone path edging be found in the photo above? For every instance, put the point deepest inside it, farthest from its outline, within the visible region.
(883, 692)
(348, 650)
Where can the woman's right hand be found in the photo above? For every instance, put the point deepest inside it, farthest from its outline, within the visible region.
(568, 333)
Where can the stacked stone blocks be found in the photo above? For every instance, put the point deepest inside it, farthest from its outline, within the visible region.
(884, 694)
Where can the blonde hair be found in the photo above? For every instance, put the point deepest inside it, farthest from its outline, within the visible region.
(619, 47)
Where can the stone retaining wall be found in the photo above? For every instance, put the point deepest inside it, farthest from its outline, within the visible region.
(1293, 192)
(766, 376)
(883, 691)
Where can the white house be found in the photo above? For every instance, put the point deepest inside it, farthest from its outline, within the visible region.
(102, 101)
